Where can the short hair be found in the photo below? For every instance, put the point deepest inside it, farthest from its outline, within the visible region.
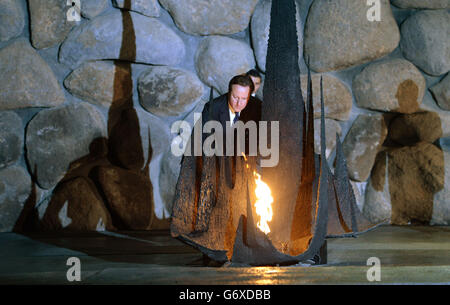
(241, 80)
(254, 73)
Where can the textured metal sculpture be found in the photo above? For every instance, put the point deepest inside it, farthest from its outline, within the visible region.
(213, 209)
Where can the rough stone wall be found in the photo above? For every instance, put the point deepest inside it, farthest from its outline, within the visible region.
(87, 107)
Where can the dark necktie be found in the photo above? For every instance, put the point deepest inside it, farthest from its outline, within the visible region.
(236, 118)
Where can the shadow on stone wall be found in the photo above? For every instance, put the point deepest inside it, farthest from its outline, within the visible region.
(109, 188)
(410, 168)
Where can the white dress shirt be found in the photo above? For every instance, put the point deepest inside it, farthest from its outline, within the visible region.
(232, 115)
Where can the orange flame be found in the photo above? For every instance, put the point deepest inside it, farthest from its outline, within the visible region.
(263, 203)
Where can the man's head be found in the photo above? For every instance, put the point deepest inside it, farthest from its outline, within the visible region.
(256, 79)
(239, 89)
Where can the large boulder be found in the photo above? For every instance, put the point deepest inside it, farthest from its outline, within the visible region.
(410, 129)
(49, 22)
(129, 196)
(338, 34)
(337, 97)
(15, 189)
(76, 205)
(422, 4)
(145, 40)
(441, 93)
(26, 80)
(394, 85)
(58, 136)
(425, 40)
(260, 25)
(220, 58)
(148, 8)
(362, 143)
(12, 19)
(11, 138)
(166, 91)
(213, 17)
(92, 8)
(99, 82)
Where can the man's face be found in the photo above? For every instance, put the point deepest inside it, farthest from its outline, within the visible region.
(256, 82)
(238, 97)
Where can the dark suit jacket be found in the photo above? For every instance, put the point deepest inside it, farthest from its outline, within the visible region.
(216, 110)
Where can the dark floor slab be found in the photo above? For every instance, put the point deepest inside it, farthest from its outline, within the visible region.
(407, 255)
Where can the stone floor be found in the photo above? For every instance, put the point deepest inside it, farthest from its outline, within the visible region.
(412, 254)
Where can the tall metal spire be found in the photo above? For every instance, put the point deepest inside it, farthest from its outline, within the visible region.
(283, 102)
(310, 202)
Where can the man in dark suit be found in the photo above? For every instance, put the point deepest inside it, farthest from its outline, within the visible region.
(253, 110)
(231, 107)
(228, 107)
(256, 79)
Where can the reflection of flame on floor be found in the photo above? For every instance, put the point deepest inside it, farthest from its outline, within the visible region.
(263, 203)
